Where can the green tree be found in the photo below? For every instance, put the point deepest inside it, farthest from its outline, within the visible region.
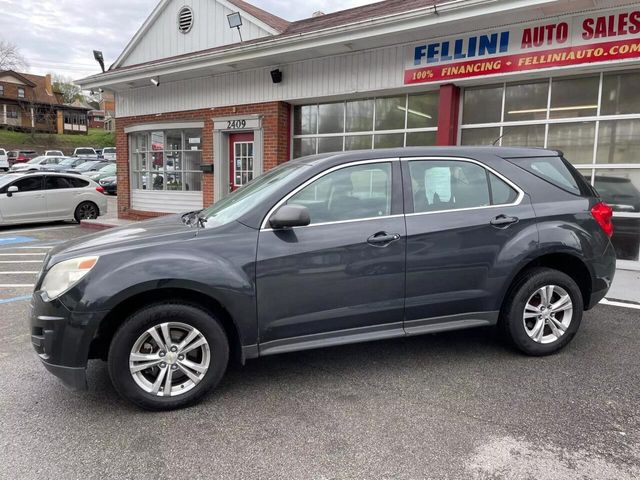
(69, 90)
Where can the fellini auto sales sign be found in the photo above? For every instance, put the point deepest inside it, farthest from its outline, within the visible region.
(577, 40)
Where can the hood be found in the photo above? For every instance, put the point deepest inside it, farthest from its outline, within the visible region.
(137, 235)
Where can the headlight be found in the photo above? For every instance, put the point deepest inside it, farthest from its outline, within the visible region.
(65, 275)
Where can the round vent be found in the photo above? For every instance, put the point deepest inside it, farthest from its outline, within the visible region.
(185, 19)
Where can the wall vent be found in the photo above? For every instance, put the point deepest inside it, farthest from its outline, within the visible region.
(185, 19)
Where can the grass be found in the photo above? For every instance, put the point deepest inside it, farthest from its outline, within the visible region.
(11, 140)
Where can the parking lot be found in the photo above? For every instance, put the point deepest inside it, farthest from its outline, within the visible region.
(451, 405)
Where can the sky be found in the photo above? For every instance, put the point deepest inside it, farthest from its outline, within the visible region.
(59, 36)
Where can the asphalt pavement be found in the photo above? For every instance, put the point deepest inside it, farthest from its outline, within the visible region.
(457, 405)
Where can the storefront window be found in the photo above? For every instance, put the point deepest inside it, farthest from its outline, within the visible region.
(166, 160)
(593, 136)
(383, 122)
(619, 141)
(575, 140)
(620, 94)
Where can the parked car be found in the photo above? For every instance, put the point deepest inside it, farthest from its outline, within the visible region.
(53, 153)
(21, 156)
(4, 160)
(88, 167)
(66, 164)
(37, 163)
(49, 197)
(110, 185)
(99, 152)
(108, 170)
(86, 152)
(109, 153)
(329, 250)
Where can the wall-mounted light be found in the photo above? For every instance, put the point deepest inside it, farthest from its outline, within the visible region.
(97, 55)
(155, 81)
(276, 75)
(235, 21)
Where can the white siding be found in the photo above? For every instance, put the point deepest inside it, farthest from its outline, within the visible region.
(165, 202)
(210, 29)
(336, 75)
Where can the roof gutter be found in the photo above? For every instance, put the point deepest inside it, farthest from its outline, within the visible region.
(455, 10)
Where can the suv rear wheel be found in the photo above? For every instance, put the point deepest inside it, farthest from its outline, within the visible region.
(543, 312)
(167, 356)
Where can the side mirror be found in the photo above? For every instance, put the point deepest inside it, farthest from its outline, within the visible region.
(289, 216)
(11, 190)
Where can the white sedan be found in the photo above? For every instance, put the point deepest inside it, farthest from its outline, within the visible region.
(37, 163)
(49, 197)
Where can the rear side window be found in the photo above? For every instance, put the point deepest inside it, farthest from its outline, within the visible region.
(552, 169)
(56, 183)
(452, 185)
(77, 182)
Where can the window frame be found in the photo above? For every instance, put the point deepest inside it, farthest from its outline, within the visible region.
(396, 193)
(6, 187)
(408, 186)
(22, 92)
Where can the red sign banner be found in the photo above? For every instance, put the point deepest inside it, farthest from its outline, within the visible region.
(559, 57)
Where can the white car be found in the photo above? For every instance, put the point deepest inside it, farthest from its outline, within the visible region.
(38, 163)
(86, 152)
(53, 153)
(4, 159)
(109, 153)
(49, 197)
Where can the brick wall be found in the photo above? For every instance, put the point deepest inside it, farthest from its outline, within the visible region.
(276, 118)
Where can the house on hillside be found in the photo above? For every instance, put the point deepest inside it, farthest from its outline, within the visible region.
(29, 103)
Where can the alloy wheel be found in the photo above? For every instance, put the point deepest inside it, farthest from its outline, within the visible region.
(169, 359)
(547, 314)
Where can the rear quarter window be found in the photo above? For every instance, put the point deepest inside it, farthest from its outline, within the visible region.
(77, 182)
(554, 170)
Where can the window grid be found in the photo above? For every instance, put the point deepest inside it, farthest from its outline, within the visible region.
(141, 161)
(373, 133)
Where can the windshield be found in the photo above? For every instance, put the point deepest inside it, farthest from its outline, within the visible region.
(67, 161)
(108, 169)
(85, 151)
(248, 197)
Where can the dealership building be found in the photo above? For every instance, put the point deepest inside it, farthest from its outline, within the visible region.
(212, 93)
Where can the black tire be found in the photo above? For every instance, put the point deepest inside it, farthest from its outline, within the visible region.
(129, 332)
(512, 313)
(86, 211)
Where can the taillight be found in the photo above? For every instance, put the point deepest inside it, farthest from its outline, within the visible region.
(99, 189)
(603, 214)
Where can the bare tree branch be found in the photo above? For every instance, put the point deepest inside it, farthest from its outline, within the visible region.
(11, 58)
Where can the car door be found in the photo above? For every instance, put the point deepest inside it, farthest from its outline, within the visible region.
(467, 229)
(61, 196)
(25, 205)
(341, 278)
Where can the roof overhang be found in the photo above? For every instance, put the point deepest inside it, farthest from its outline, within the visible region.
(456, 16)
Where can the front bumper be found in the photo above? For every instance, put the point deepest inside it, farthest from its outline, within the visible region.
(62, 338)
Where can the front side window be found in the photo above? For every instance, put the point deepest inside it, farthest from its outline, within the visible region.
(29, 184)
(441, 185)
(350, 193)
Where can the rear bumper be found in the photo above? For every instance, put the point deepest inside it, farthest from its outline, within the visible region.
(604, 269)
(61, 339)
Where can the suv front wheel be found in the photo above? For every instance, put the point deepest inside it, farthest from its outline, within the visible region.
(543, 312)
(167, 356)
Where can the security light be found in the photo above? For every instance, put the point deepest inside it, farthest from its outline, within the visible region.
(99, 58)
(276, 75)
(235, 21)
(155, 81)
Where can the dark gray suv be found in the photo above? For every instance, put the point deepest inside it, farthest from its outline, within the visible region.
(329, 250)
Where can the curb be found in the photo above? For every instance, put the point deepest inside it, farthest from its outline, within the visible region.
(96, 226)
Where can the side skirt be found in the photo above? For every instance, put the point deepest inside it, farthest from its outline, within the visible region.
(378, 332)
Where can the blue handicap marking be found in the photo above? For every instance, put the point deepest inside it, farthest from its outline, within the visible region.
(14, 240)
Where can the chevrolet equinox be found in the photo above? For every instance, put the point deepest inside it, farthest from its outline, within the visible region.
(329, 250)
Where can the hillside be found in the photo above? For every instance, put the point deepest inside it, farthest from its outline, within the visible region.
(67, 143)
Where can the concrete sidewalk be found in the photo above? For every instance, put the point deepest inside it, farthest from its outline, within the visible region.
(110, 220)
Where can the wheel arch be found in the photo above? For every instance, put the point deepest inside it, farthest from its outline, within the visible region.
(118, 314)
(567, 263)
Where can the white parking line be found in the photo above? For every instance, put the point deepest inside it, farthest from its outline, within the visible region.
(39, 229)
(613, 303)
(16, 285)
(20, 261)
(44, 247)
(19, 273)
(22, 254)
